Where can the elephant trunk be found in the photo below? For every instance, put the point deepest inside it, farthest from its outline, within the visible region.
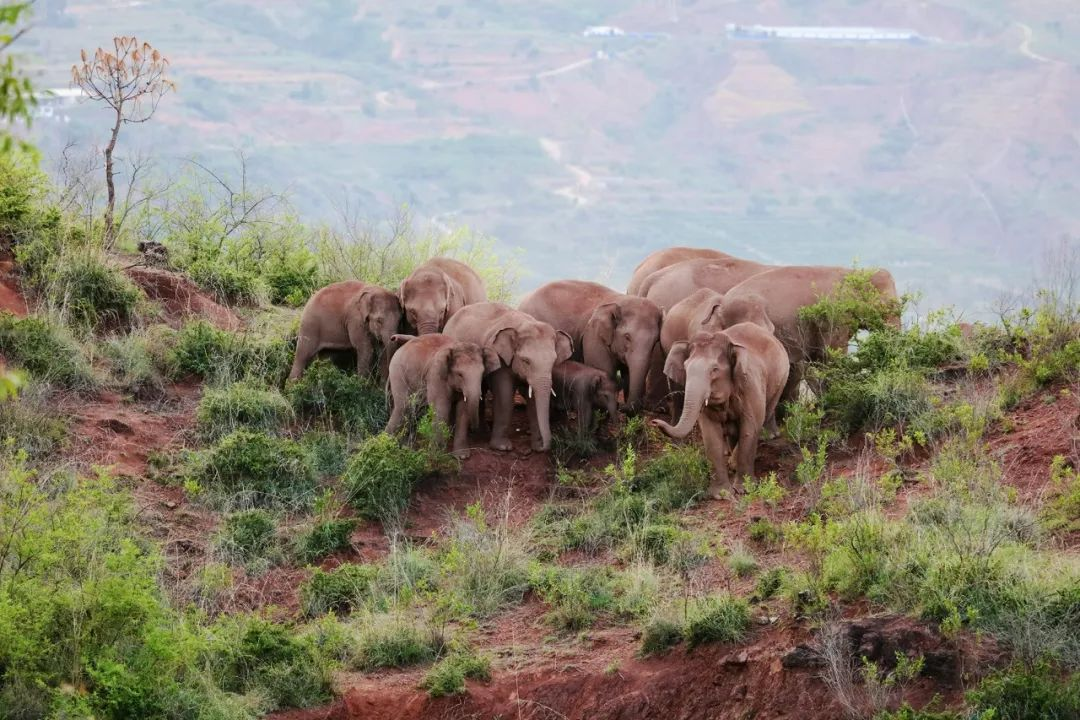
(427, 327)
(697, 390)
(638, 367)
(542, 398)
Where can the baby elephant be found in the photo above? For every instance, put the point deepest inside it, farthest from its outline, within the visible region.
(582, 389)
(733, 381)
(448, 372)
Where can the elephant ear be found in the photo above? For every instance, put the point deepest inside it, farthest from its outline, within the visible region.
(564, 346)
(492, 361)
(713, 320)
(455, 296)
(441, 362)
(504, 343)
(675, 365)
(602, 323)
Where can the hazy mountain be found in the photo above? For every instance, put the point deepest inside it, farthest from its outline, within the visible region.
(952, 160)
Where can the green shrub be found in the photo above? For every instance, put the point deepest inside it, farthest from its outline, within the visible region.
(719, 619)
(568, 444)
(1061, 512)
(339, 591)
(393, 642)
(889, 397)
(763, 530)
(448, 676)
(576, 595)
(228, 284)
(240, 405)
(89, 293)
(22, 188)
(44, 350)
(247, 653)
(329, 452)
(675, 477)
(344, 400)
(483, 565)
(654, 542)
(221, 356)
(742, 562)
(660, 635)
(906, 712)
(1021, 693)
(248, 536)
(133, 367)
(31, 424)
(291, 275)
(324, 538)
(256, 469)
(380, 477)
(770, 582)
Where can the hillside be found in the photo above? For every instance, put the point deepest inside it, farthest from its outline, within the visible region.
(188, 535)
(951, 161)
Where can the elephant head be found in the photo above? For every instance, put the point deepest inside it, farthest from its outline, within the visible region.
(461, 368)
(530, 349)
(707, 366)
(380, 312)
(623, 333)
(605, 394)
(743, 308)
(429, 298)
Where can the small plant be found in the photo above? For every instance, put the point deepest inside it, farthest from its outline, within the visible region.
(342, 400)
(45, 350)
(329, 452)
(1028, 693)
(90, 294)
(1061, 513)
(340, 590)
(258, 469)
(248, 536)
(569, 444)
(660, 635)
(576, 596)
(448, 676)
(393, 642)
(742, 562)
(763, 530)
(31, 424)
(811, 468)
(381, 475)
(240, 405)
(675, 477)
(133, 367)
(324, 538)
(767, 490)
(770, 582)
(484, 565)
(718, 619)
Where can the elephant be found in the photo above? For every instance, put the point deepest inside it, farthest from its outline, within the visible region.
(449, 372)
(528, 349)
(582, 389)
(611, 331)
(663, 258)
(677, 282)
(783, 292)
(436, 290)
(349, 314)
(733, 382)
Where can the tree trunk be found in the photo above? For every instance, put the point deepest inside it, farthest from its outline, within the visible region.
(110, 207)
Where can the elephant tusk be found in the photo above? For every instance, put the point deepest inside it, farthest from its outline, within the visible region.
(706, 402)
(530, 392)
(465, 397)
(553, 393)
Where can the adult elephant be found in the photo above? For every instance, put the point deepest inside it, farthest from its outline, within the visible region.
(677, 282)
(437, 289)
(528, 349)
(663, 258)
(349, 314)
(733, 382)
(783, 292)
(611, 331)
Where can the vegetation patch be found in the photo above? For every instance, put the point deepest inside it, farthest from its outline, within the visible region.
(380, 477)
(718, 619)
(341, 400)
(447, 677)
(339, 590)
(247, 468)
(240, 405)
(325, 537)
(45, 350)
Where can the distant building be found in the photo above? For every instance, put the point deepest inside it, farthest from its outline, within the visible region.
(835, 34)
(602, 31)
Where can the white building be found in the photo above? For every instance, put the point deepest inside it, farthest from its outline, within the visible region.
(602, 31)
(836, 34)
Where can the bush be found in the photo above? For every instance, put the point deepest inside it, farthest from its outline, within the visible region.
(228, 284)
(44, 350)
(484, 565)
(1021, 693)
(254, 468)
(770, 582)
(329, 452)
(906, 712)
(133, 367)
(248, 536)
(719, 619)
(343, 400)
(380, 477)
(660, 635)
(324, 538)
(448, 676)
(248, 653)
(742, 562)
(340, 590)
(1061, 513)
(90, 294)
(763, 530)
(30, 423)
(22, 187)
(393, 642)
(224, 357)
(576, 595)
(241, 405)
(675, 477)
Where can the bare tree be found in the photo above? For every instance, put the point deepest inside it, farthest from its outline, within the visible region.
(131, 81)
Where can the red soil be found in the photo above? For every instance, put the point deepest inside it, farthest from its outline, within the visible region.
(1043, 426)
(180, 298)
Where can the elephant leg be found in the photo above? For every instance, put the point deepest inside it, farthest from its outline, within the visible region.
(461, 430)
(400, 400)
(442, 407)
(656, 384)
(714, 438)
(584, 417)
(791, 388)
(502, 390)
(306, 347)
(771, 429)
(365, 353)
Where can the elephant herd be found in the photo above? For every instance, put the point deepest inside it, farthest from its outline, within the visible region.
(723, 333)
